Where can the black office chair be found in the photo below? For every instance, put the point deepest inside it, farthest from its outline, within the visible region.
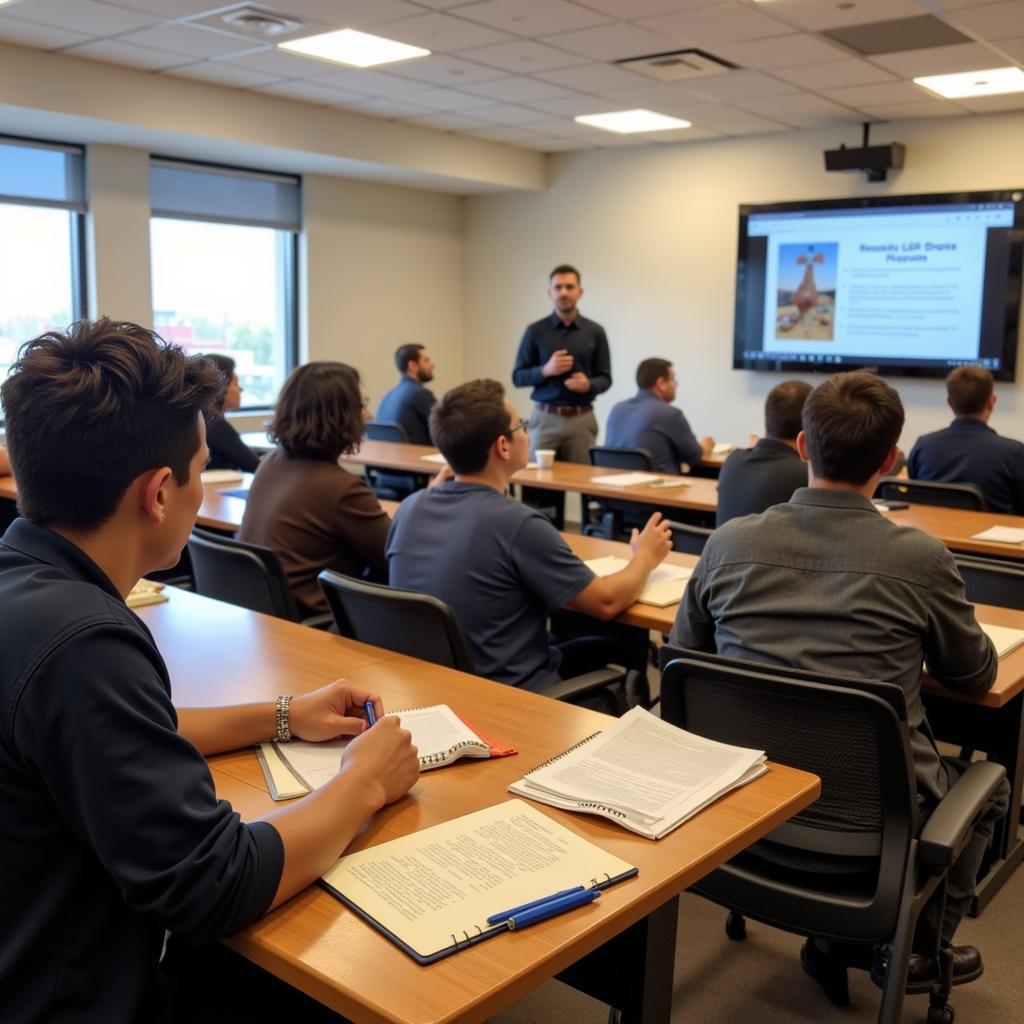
(424, 627)
(689, 539)
(992, 581)
(615, 517)
(391, 484)
(928, 492)
(244, 574)
(849, 868)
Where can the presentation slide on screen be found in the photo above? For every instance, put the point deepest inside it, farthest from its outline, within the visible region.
(895, 281)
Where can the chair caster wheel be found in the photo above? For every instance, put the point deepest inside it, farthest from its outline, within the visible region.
(736, 926)
(942, 1014)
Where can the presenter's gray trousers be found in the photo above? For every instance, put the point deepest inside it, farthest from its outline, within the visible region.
(569, 436)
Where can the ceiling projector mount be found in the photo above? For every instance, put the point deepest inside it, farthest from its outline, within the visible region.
(874, 161)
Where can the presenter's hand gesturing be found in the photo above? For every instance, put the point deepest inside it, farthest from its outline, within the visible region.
(334, 710)
(559, 363)
(578, 382)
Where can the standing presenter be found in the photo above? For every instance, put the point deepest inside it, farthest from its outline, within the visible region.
(565, 359)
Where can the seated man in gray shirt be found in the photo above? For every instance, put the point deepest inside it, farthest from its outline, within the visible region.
(754, 479)
(497, 563)
(826, 583)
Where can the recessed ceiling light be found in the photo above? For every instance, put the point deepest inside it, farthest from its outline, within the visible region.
(626, 121)
(992, 82)
(359, 49)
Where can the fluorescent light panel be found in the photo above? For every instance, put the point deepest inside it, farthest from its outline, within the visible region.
(624, 122)
(991, 82)
(358, 49)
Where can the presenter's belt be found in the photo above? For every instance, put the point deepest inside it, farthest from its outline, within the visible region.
(565, 410)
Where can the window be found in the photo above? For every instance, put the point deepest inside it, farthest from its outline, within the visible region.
(224, 246)
(42, 203)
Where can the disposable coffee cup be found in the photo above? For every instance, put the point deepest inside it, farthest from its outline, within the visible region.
(545, 458)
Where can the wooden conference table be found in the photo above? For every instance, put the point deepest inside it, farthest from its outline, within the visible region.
(621, 949)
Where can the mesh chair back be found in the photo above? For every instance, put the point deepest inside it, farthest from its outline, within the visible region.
(928, 492)
(689, 539)
(384, 430)
(619, 516)
(398, 620)
(244, 574)
(853, 735)
(389, 483)
(621, 458)
(990, 581)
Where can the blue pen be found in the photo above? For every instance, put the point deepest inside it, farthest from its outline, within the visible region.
(506, 914)
(371, 715)
(553, 907)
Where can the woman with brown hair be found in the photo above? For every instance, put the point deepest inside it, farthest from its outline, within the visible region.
(302, 504)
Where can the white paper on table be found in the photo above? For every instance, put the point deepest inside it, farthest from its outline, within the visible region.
(1001, 535)
(221, 476)
(664, 586)
(1003, 638)
(625, 479)
(722, 448)
(436, 457)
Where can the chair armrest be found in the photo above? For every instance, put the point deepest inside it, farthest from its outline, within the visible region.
(322, 621)
(589, 682)
(948, 828)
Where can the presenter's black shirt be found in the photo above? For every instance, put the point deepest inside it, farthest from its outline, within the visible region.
(111, 831)
(584, 340)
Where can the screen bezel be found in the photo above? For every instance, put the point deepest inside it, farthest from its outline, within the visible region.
(1008, 358)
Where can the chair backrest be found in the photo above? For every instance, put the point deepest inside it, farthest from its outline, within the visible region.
(689, 539)
(992, 581)
(621, 458)
(244, 574)
(384, 430)
(399, 620)
(853, 735)
(929, 492)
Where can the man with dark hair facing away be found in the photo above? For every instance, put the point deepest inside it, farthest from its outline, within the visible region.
(649, 420)
(112, 832)
(969, 451)
(498, 564)
(409, 403)
(565, 359)
(754, 479)
(826, 583)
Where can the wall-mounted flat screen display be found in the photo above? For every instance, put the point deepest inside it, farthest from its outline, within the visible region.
(904, 285)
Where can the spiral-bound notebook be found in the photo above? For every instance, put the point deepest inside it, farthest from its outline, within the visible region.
(642, 773)
(296, 768)
(432, 892)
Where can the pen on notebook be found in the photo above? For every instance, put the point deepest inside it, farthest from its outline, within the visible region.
(553, 907)
(371, 715)
(506, 914)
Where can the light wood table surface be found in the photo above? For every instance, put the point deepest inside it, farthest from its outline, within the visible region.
(955, 527)
(218, 653)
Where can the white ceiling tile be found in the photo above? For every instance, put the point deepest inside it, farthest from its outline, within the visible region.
(801, 111)
(884, 93)
(390, 107)
(448, 99)
(517, 89)
(441, 69)
(39, 37)
(311, 92)
(573, 106)
(991, 104)
(550, 144)
(599, 78)
(780, 52)
(446, 122)
(167, 8)
(272, 61)
(563, 128)
(225, 74)
(505, 113)
(834, 74)
(729, 120)
(440, 5)
(94, 19)
(1014, 47)
(189, 40)
(532, 17)
(685, 135)
(504, 133)
(662, 96)
(913, 111)
(368, 81)
(113, 52)
(617, 41)
(991, 21)
(736, 84)
(342, 13)
(641, 8)
(824, 14)
(440, 32)
(939, 60)
(523, 56)
(722, 23)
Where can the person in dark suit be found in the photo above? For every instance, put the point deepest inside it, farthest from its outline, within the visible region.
(754, 479)
(409, 403)
(969, 451)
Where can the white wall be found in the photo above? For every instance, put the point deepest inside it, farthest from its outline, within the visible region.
(654, 232)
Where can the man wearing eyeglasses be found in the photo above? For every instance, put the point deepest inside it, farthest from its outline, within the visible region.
(498, 564)
(565, 359)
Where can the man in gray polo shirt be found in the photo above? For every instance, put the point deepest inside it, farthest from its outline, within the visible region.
(825, 582)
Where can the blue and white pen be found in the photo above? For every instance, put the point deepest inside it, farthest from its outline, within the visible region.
(553, 907)
(506, 914)
(371, 714)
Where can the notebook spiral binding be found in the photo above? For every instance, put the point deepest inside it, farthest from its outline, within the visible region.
(564, 753)
(443, 756)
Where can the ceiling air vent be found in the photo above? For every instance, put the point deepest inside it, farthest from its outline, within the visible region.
(677, 65)
(254, 21)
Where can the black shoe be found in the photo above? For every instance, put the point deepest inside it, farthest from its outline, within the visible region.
(923, 972)
(828, 971)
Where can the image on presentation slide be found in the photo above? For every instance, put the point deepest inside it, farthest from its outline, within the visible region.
(806, 292)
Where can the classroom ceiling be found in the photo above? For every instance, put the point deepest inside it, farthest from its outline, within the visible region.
(519, 71)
